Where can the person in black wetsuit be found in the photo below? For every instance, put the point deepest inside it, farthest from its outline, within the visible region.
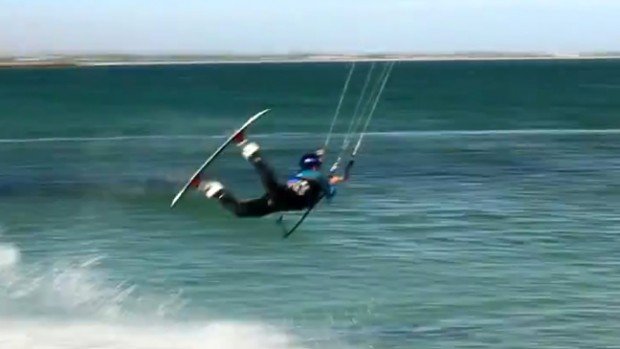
(302, 190)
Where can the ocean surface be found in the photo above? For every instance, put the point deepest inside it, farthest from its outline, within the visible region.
(483, 210)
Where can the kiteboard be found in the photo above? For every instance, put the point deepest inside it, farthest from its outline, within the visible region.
(216, 154)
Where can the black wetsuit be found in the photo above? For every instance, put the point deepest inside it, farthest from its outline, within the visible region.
(299, 193)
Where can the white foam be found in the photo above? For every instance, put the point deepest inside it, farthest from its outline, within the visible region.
(288, 135)
(80, 335)
(143, 137)
(77, 289)
(100, 139)
(517, 132)
(72, 305)
(9, 256)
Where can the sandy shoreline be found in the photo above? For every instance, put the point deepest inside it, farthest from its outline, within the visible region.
(86, 62)
(36, 65)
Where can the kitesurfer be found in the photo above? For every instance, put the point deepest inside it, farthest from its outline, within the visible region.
(301, 191)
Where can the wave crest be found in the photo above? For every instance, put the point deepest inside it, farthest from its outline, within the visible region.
(78, 335)
(78, 289)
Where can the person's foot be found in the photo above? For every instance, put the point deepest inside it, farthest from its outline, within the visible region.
(250, 151)
(212, 189)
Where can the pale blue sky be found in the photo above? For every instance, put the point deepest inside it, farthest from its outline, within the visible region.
(282, 26)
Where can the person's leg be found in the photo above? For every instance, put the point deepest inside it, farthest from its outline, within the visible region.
(267, 174)
(247, 208)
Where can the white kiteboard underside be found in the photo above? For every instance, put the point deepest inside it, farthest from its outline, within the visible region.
(216, 153)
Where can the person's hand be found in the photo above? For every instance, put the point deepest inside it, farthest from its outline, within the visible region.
(335, 180)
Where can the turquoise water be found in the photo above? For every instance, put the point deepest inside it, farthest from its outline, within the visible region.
(482, 212)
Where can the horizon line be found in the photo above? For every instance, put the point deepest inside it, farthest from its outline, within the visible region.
(313, 53)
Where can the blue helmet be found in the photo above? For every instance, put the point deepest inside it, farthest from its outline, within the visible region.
(309, 161)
